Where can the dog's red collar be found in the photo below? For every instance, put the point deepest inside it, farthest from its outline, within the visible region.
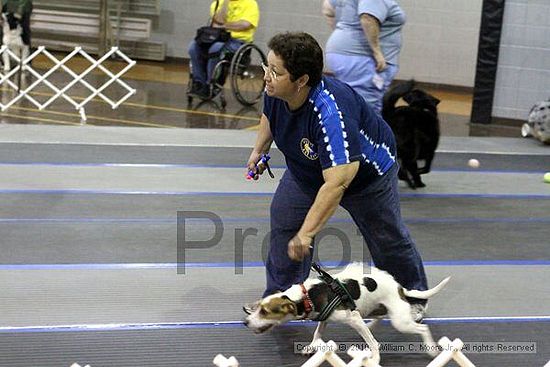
(308, 305)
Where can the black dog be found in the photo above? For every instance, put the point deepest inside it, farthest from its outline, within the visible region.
(416, 129)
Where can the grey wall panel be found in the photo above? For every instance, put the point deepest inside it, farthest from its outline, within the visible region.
(523, 75)
(440, 41)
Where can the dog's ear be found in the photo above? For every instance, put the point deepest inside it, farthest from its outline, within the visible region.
(289, 308)
(419, 98)
(434, 101)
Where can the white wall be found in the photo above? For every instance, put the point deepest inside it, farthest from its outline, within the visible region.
(440, 41)
(440, 37)
(523, 74)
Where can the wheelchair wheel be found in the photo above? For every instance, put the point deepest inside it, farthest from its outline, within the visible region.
(247, 76)
(219, 75)
(189, 85)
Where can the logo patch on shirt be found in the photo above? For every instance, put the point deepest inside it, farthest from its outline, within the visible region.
(308, 149)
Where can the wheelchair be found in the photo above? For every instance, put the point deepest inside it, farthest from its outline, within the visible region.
(244, 69)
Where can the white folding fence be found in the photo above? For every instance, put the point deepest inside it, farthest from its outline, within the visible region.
(451, 350)
(362, 358)
(8, 77)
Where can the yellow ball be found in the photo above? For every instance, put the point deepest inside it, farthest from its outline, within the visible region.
(474, 163)
(547, 177)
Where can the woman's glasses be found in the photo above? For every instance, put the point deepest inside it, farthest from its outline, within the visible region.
(272, 74)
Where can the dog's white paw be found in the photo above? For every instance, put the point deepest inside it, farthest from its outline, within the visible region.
(375, 359)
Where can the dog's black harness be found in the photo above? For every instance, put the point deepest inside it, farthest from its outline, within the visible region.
(342, 296)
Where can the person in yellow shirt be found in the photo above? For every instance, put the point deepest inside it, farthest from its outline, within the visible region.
(240, 18)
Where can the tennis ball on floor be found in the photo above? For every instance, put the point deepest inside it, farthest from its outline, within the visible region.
(473, 163)
(547, 177)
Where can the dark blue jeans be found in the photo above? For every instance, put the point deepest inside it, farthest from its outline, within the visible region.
(203, 64)
(375, 210)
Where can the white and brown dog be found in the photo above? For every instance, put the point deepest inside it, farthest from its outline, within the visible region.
(12, 32)
(370, 291)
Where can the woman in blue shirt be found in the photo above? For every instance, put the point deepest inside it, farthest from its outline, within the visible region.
(363, 49)
(338, 151)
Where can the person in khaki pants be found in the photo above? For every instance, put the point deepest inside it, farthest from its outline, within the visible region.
(18, 12)
(21, 11)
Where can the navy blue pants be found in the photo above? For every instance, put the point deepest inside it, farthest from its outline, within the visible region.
(375, 210)
(203, 64)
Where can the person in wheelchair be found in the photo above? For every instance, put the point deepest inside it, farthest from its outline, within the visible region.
(240, 18)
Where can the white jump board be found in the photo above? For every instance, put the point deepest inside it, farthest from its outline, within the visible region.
(80, 24)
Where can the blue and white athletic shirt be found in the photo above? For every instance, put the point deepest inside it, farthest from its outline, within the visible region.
(334, 126)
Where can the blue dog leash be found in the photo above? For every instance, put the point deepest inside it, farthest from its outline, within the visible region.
(263, 162)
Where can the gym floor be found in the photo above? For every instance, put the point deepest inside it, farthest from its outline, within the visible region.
(89, 224)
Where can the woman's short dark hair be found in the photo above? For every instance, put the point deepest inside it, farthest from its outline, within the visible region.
(301, 55)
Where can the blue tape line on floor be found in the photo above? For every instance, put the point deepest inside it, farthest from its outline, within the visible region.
(249, 194)
(330, 264)
(239, 324)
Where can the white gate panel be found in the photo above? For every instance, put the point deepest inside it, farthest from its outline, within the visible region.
(60, 65)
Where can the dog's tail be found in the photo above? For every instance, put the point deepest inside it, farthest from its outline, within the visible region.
(427, 293)
(391, 97)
